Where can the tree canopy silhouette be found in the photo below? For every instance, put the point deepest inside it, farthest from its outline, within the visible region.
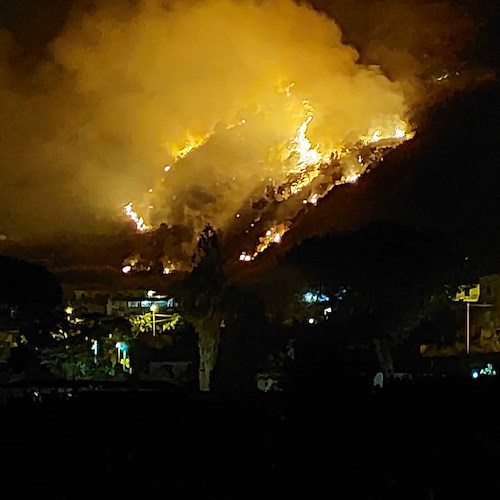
(29, 287)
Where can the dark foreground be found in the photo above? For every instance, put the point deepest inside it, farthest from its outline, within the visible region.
(430, 439)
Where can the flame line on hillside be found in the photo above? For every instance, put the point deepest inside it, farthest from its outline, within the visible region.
(301, 144)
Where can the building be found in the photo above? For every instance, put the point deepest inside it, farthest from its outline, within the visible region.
(122, 305)
(117, 303)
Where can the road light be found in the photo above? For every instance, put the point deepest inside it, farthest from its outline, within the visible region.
(118, 346)
(153, 309)
(95, 349)
(69, 311)
(122, 355)
(469, 295)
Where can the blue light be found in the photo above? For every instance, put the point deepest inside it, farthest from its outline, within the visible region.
(475, 373)
(488, 370)
(312, 297)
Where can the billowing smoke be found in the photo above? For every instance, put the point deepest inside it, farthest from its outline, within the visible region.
(127, 85)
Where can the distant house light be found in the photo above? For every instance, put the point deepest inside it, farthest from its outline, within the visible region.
(311, 297)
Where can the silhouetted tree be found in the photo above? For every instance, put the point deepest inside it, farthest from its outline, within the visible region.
(200, 298)
(30, 295)
(245, 342)
(392, 276)
(30, 287)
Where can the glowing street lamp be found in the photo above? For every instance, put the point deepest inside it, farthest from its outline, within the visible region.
(118, 346)
(123, 357)
(467, 295)
(69, 311)
(153, 309)
(95, 349)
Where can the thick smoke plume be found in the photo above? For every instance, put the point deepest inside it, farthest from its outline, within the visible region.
(125, 86)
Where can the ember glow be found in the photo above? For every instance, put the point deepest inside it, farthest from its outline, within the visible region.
(191, 142)
(132, 215)
(301, 146)
(300, 164)
(311, 163)
(272, 236)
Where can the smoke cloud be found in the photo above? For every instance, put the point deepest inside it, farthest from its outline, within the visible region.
(126, 85)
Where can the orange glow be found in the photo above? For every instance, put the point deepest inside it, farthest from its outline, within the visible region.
(296, 121)
(132, 214)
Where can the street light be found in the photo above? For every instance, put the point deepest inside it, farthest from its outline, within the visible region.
(122, 355)
(153, 309)
(118, 346)
(469, 295)
(163, 318)
(95, 349)
(69, 311)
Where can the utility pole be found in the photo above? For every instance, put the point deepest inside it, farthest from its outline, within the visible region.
(467, 328)
(153, 309)
(467, 294)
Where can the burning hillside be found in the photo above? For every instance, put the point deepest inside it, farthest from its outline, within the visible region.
(261, 185)
(315, 118)
(237, 113)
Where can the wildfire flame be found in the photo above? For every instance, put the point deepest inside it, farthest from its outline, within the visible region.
(395, 132)
(307, 167)
(132, 215)
(302, 147)
(272, 236)
(192, 142)
(303, 163)
(289, 127)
